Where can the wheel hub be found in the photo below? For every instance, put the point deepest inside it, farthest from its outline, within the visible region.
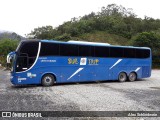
(48, 79)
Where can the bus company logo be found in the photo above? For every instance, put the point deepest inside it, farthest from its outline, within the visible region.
(6, 114)
(83, 61)
(72, 61)
(31, 75)
(93, 61)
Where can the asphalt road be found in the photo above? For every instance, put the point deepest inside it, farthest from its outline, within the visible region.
(141, 95)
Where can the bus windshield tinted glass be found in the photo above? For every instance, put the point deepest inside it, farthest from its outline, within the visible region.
(26, 56)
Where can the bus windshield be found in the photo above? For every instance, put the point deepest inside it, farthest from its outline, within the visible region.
(26, 55)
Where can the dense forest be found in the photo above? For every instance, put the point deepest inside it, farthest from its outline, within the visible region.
(114, 24)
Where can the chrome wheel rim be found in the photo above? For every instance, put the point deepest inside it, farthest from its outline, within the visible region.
(132, 77)
(122, 77)
(48, 79)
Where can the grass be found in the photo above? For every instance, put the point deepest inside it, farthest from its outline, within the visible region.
(103, 37)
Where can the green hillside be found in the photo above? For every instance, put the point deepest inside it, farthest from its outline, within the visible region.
(114, 24)
(100, 36)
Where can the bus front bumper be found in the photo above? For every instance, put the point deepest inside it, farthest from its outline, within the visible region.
(17, 79)
(13, 80)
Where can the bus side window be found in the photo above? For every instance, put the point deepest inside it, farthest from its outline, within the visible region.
(68, 50)
(101, 51)
(129, 53)
(116, 52)
(139, 53)
(146, 53)
(49, 49)
(86, 51)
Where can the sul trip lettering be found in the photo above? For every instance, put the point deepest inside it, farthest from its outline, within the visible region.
(72, 61)
(90, 61)
(93, 61)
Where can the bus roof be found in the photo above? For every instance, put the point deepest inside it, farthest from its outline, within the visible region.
(88, 43)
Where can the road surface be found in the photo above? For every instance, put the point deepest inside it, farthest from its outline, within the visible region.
(141, 95)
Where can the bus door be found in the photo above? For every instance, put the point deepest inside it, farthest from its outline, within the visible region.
(22, 62)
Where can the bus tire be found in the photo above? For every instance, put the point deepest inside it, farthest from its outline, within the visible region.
(48, 80)
(132, 76)
(122, 77)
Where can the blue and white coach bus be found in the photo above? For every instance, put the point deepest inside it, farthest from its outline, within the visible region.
(47, 62)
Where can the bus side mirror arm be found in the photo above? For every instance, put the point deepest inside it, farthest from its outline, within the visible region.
(8, 59)
(9, 56)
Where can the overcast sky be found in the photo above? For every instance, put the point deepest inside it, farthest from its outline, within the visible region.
(22, 16)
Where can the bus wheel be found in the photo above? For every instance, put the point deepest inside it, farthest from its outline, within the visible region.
(132, 76)
(122, 77)
(48, 80)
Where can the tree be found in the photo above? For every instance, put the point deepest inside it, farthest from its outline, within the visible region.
(64, 37)
(6, 46)
(113, 9)
(148, 39)
(44, 32)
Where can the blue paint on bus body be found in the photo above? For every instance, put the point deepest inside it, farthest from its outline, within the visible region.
(90, 72)
(82, 69)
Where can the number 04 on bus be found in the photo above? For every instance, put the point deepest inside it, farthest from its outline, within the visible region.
(48, 62)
